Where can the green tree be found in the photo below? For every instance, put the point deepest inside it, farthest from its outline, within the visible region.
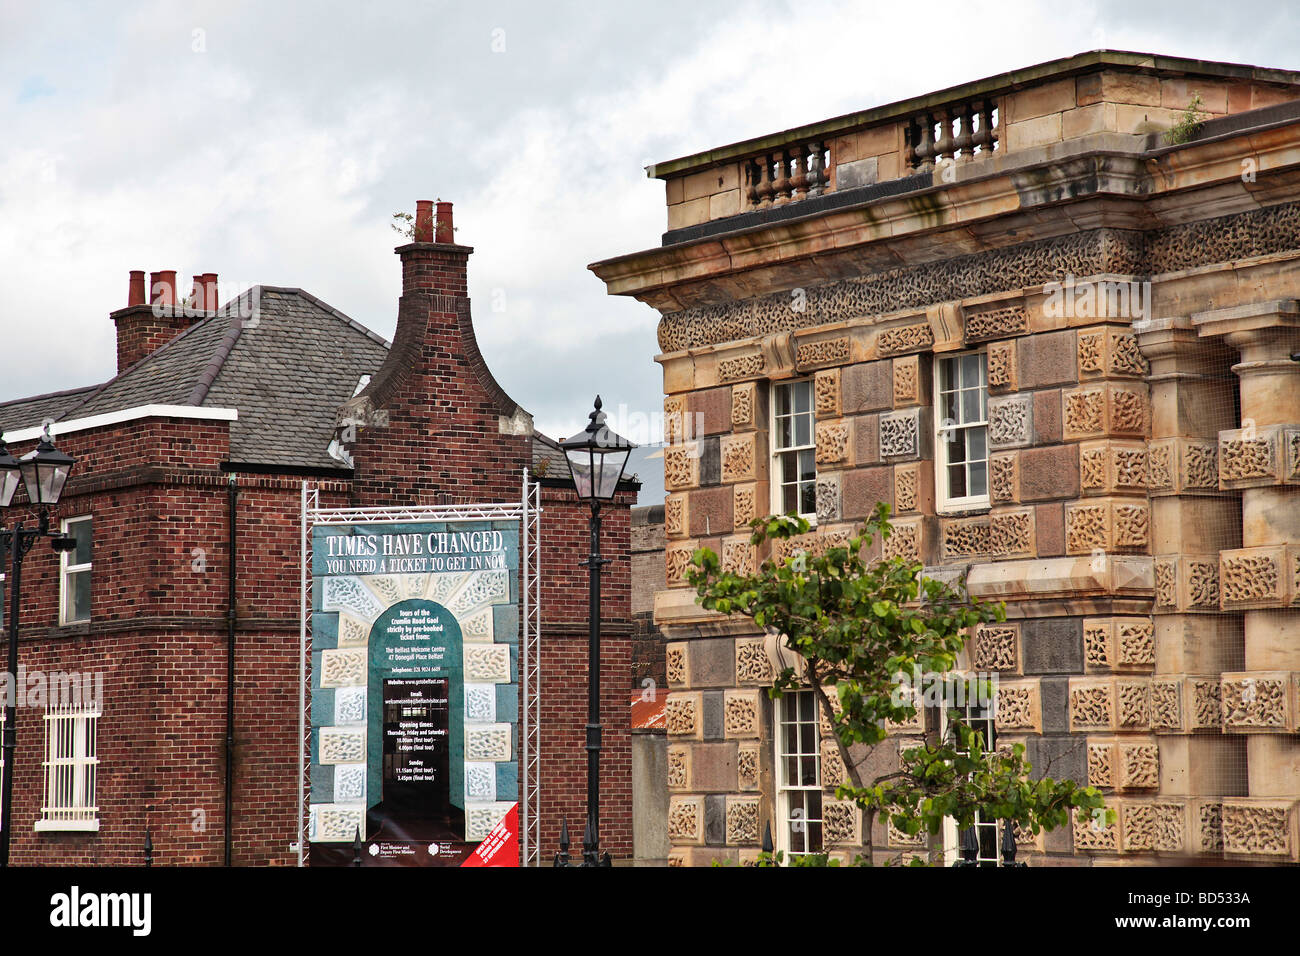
(874, 635)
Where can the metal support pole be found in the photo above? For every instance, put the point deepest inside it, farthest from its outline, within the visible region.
(591, 837)
(20, 542)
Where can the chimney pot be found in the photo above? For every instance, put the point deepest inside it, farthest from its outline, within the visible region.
(197, 293)
(162, 286)
(211, 302)
(424, 220)
(444, 231)
(135, 288)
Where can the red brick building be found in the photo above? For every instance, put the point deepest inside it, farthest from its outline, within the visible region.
(186, 496)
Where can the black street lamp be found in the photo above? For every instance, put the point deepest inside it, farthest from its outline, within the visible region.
(44, 473)
(597, 457)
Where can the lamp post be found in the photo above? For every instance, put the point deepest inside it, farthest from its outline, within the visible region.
(597, 457)
(44, 473)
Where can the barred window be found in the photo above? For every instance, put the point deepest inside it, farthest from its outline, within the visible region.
(71, 762)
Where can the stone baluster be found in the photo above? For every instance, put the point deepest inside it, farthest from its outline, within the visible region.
(782, 183)
(752, 174)
(818, 174)
(799, 178)
(924, 150)
(964, 144)
(765, 190)
(943, 147)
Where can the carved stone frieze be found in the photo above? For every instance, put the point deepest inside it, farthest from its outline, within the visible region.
(1012, 532)
(686, 820)
(997, 648)
(682, 466)
(744, 400)
(906, 481)
(1257, 701)
(752, 663)
(740, 713)
(841, 823)
(832, 442)
(682, 714)
(1092, 704)
(675, 661)
(1260, 828)
(1167, 705)
(1011, 421)
(675, 516)
(1132, 704)
(738, 458)
(1139, 766)
(742, 820)
(1257, 232)
(1003, 478)
(965, 537)
(907, 380)
(1253, 577)
(744, 507)
(1002, 366)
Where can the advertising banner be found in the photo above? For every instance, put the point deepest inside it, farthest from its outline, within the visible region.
(414, 694)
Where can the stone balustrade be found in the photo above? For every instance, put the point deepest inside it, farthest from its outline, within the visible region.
(787, 174)
(959, 132)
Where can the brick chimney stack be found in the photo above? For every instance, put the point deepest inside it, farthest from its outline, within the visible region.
(151, 317)
(433, 414)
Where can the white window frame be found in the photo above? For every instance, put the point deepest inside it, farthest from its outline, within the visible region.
(951, 834)
(942, 443)
(66, 569)
(775, 414)
(71, 768)
(787, 706)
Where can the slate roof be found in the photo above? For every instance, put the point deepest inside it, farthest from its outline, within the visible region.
(280, 356)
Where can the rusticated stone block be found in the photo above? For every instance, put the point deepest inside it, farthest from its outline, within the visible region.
(741, 713)
(1253, 457)
(1011, 421)
(748, 766)
(827, 497)
(1004, 478)
(907, 488)
(826, 393)
(748, 502)
(1259, 828)
(753, 666)
(739, 458)
(867, 387)
(1011, 532)
(682, 466)
(744, 406)
(1002, 366)
(1255, 578)
(1132, 704)
(1047, 359)
(1103, 762)
(1047, 473)
(1092, 704)
(738, 555)
(900, 434)
(863, 488)
(1052, 645)
(709, 512)
(1095, 835)
(676, 516)
(1106, 352)
(1258, 702)
(682, 715)
(907, 381)
(1107, 524)
(841, 823)
(1110, 467)
(686, 820)
(1187, 583)
(679, 767)
(1018, 707)
(742, 820)
(677, 664)
(1154, 826)
(834, 445)
(677, 559)
(965, 537)
(1099, 410)
(911, 540)
(996, 648)
(1167, 704)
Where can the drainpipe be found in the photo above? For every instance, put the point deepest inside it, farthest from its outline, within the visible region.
(232, 494)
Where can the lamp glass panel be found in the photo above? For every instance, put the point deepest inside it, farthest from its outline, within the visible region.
(580, 466)
(8, 485)
(610, 465)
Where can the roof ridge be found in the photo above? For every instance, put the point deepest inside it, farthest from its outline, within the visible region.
(57, 394)
(218, 361)
(321, 303)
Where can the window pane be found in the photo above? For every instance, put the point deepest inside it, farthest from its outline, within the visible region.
(81, 531)
(807, 499)
(957, 448)
(790, 499)
(806, 703)
(975, 437)
(970, 371)
(949, 408)
(79, 596)
(945, 376)
(802, 396)
(957, 481)
(803, 430)
(979, 479)
(785, 432)
(808, 738)
(808, 465)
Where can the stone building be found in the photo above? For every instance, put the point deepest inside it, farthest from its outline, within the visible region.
(1049, 317)
(183, 595)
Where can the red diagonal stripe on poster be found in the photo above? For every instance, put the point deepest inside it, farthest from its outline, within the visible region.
(501, 846)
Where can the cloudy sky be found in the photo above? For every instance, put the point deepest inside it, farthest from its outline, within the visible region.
(271, 143)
